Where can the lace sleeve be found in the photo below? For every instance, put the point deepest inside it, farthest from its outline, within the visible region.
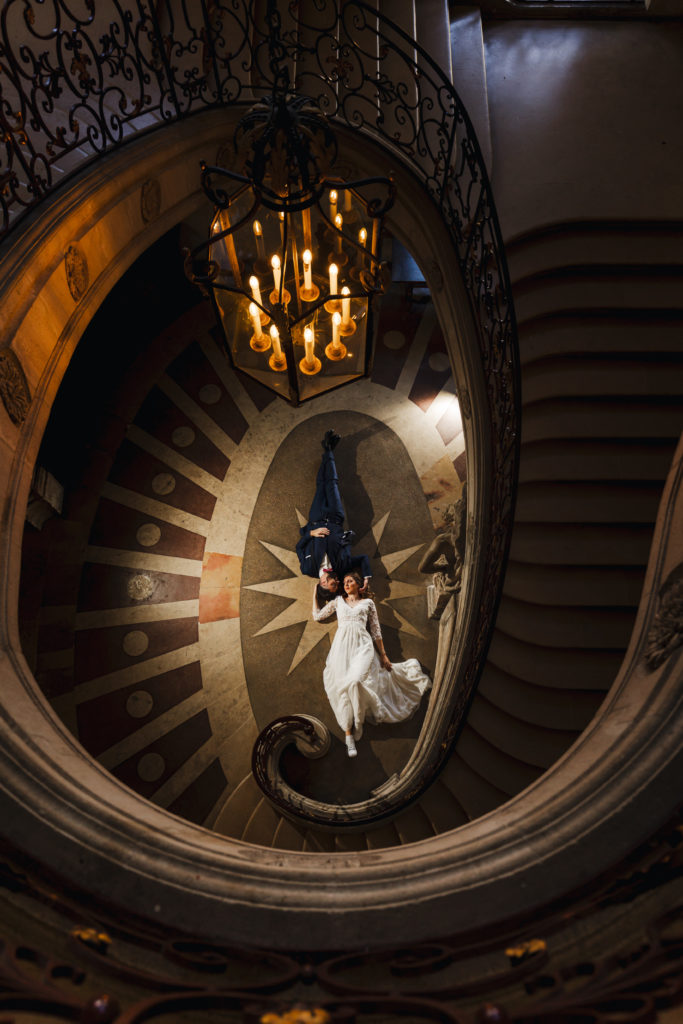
(326, 612)
(373, 621)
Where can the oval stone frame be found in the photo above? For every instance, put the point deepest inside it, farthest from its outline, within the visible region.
(71, 815)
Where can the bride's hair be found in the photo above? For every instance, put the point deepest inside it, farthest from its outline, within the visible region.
(359, 580)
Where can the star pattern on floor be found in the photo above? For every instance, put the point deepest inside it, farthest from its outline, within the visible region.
(298, 590)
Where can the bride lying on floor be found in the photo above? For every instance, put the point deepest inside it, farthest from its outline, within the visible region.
(360, 681)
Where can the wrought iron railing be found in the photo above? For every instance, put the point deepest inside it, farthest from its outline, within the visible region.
(74, 87)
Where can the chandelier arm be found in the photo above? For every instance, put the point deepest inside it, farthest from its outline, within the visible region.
(219, 197)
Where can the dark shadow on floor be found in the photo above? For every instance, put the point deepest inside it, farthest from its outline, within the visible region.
(340, 779)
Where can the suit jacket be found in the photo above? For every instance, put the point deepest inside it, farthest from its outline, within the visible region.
(312, 550)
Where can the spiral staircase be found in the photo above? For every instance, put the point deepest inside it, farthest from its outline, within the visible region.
(599, 313)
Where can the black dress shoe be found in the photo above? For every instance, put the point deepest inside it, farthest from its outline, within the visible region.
(330, 440)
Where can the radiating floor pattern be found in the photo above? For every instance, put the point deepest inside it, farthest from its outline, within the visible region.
(191, 629)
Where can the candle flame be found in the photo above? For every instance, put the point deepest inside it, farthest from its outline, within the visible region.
(333, 195)
(336, 320)
(346, 290)
(253, 309)
(253, 282)
(338, 221)
(308, 256)
(274, 333)
(308, 333)
(275, 262)
(258, 230)
(362, 236)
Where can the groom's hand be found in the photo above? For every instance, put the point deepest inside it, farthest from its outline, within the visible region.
(321, 531)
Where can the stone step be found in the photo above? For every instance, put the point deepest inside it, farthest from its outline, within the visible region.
(383, 836)
(473, 793)
(581, 544)
(637, 242)
(262, 824)
(565, 625)
(233, 818)
(635, 501)
(509, 773)
(517, 738)
(442, 808)
(557, 667)
(604, 461)
(599, 331)
(599, 417)
(413, 824)
(547, 707)
(591, 375)
(288, 836)
(584, 286)
(593, 586)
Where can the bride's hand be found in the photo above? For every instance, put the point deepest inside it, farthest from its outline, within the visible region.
(385, 662)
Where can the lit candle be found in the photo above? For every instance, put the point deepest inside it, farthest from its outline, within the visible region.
(255, 319)
(255, 290)
(333, 203)
(362, 238)
(334, 270)
(309, 343)
(336, 321)
(258, 233)
(338, 221)
(277, 348)
(346, 306)
(308, 277)
(275, 264)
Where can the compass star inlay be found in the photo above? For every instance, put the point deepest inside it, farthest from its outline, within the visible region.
(299, 590)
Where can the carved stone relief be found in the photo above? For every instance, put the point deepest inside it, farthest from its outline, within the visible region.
(13, 386)
(77, 276)
(445, 556)
(465, 403)
(435, 277)
(666, 631)
(150, 200)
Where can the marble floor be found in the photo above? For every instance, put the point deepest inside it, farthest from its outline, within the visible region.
(183, 627)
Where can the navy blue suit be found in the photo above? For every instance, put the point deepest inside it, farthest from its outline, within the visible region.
(327, 510)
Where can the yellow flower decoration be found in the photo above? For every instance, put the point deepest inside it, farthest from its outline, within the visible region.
(298, 1015)
(526, 949)
(99, 941)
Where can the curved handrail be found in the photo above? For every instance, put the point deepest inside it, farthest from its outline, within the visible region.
(74, 88)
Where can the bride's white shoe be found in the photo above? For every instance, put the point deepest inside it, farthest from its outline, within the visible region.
(350, 747)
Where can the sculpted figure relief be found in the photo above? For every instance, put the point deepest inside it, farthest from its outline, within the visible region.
(446, 554)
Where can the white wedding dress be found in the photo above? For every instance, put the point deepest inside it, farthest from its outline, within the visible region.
(358, 688)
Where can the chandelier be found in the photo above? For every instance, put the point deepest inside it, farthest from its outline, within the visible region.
(293, 258)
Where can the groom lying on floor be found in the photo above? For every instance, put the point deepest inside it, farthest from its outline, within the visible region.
(324, 548)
